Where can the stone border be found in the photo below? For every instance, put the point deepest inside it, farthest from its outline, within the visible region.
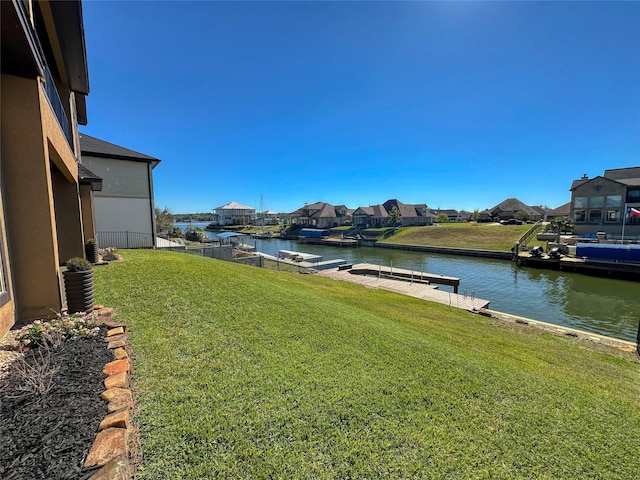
(110, 449)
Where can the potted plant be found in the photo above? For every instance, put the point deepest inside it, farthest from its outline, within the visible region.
(91, 249)
(78, 285)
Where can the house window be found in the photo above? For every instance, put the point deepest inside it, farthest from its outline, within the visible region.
(580, 202)
(614, 201)
(613, 215)
(580, 215)
(633, 195)
(596, 202)
(595, 216)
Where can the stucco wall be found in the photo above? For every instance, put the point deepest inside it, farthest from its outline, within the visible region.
(34, 149)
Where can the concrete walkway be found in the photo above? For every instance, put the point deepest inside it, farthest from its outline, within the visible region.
(414, 289)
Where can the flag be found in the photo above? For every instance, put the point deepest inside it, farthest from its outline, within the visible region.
(633, 211)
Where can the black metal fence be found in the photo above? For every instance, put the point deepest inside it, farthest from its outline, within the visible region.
(125, 240)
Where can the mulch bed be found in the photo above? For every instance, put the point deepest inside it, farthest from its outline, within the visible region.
(49, 436)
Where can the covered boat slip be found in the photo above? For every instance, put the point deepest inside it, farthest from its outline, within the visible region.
(399, 281)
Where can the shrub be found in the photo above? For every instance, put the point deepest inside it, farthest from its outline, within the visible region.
(195, 234)
(77, 264)
(54, 332)
(109, 254)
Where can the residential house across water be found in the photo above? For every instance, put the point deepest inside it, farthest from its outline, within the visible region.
(234, 213)
(600, 204)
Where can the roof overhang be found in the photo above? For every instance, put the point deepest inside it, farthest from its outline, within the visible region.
(67, 17)
(87, 177)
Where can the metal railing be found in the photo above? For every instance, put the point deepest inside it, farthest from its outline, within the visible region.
(125, 240)
(56, 104)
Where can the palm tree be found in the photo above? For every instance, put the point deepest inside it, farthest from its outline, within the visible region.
(559, 225)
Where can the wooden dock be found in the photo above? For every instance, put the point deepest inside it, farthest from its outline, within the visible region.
(399, 273)
(406, 287)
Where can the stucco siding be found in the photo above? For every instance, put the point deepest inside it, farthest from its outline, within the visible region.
(120, 178)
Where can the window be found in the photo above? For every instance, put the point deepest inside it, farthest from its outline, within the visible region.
(580, 202)
(614, 201)
(580, 215)
(596, 202)
(595, 216)
(613, 215)
(633, 195)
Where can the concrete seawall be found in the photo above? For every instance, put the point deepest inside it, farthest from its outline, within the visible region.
(447, 250)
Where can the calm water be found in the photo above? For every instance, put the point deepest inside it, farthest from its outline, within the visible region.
(605, 306)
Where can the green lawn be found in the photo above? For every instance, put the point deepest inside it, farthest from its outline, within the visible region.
(243, 372)
(482, 236)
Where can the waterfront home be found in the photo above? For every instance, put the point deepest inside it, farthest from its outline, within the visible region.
(268, 217)
(45, 200)
(599, 204)
(452, 215)
(124, 207)
(410, 214)
(561, 211)
(234, 213)
(321, 215)
(378, 215)
(507, 210)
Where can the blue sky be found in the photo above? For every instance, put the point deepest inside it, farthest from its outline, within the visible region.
(453, 104)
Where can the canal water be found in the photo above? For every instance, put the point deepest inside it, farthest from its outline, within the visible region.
(600, 305)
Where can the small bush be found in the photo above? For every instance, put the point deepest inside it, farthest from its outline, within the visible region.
(77, 264)
(195, 234)
(54, 332)
(36, 375)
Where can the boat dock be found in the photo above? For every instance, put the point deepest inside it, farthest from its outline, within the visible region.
(305, 260)
(334, 242)
(404, 285)
(382, 271)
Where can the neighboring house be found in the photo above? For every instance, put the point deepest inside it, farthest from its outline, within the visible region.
(598, 204)
(485, 216)
(561, 211)
(45, 200)
(321, 215)
(234, 213)
(507, 210)
(410, 214)
(452, 215)
(124, 208)
(375, 216)
(465, 216)
(268, 217)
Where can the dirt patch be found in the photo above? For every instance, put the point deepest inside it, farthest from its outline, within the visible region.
(49, 436)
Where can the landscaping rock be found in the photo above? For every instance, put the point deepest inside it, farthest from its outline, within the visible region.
(120, 379)
(116, 338)
(119, 343)
(116, 469)
(120, 353)
(115, 331)
(115, 420)
(109, 443)
(118, 398)
(116, 366)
